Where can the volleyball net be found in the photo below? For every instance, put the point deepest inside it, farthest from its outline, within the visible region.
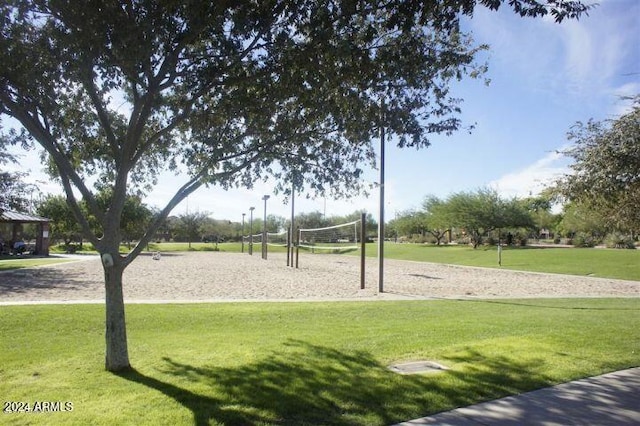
(337, 238)
(334, 239)
(255, 239)
(277, 239)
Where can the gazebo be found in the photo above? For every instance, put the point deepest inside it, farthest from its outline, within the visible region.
(16, 220)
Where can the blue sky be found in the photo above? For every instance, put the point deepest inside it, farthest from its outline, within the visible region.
(544, 78)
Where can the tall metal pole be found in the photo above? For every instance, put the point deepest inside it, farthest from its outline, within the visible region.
(242, 233)
(363, 245)
(291, 234)
(251, 209)
(381, 219)
(264, 228)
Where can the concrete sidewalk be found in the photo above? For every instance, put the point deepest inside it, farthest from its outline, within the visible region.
(610, 399)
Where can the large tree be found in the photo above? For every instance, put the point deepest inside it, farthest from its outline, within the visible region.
(15, 193)
(135, 217)
(189, 226)
(606, 169)
(63, 224)
(437, 223)
(482, 211)
(234, 91)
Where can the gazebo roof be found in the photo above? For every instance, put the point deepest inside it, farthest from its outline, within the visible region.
(16, 217)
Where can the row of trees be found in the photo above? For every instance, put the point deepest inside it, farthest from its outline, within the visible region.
(136, 217)
(472, 214)
(188, 227)
(483, 217)
(600, 196)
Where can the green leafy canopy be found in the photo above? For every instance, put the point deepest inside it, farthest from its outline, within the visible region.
(606, 170)
(236, 91)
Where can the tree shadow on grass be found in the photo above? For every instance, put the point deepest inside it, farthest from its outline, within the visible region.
(306, 384)
(568, 304)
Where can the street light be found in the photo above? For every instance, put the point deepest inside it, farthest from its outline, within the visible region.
(381, 216)
(251, 209)
(242, 233)
(264, 228)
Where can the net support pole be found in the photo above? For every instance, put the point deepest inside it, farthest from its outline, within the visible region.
(288, 246)
(264, 228)
(499, 250)
(297, 247)
(363, 237)
(293, 219)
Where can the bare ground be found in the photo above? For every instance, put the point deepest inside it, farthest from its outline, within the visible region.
(216, 276)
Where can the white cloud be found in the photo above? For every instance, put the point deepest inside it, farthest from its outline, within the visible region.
(579, 59)
(623, 104)
(532, 179)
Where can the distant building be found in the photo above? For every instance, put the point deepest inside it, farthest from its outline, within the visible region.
(11, 224)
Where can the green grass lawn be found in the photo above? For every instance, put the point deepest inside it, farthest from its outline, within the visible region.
(610, 263)
(304, 363)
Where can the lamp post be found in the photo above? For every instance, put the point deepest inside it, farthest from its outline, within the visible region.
(292, 230)
(264, 228)
(251, 209)
(381, 219)
(242, 233)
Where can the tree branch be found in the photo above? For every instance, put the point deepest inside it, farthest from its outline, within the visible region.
(103, 117)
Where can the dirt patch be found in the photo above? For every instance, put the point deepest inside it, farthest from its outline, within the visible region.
(213, 276)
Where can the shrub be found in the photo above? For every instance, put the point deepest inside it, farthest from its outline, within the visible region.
(619, 241)
(490, 241)
(582, 239)
(463, 240)
(422, 239)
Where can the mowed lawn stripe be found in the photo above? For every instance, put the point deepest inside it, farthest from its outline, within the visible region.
(305, 363)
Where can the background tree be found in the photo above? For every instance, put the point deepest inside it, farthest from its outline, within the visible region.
(311, 220)
(515, 218)
(276, 223)
(539, 209)
(411, 224)
(135, 216)
(436, 218)
(219, 230)
(63, 226)
(583, 218)
(234, 92)
(15, 194)
(478, 213)
(190, 227)
(606, 169)
(474, 213)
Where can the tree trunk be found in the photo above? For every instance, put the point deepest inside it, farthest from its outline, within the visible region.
(117, 353)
